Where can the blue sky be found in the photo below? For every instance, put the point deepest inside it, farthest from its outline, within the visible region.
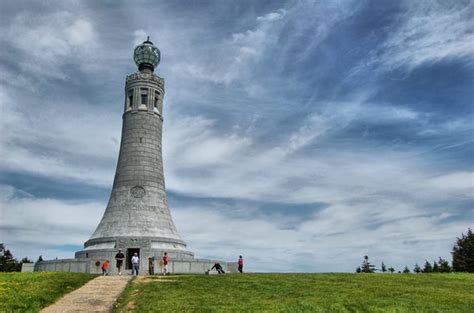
(300, 134)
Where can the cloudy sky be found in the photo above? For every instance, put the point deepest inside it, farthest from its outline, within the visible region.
(302, 135)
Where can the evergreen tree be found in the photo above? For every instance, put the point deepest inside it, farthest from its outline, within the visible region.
(406, 270)
(391, 269)
(358, 270)
(366, 266)
(427, 268)
(435, 267)
(463, 253)
(417, 269)
(8, 263)
(383, 268)
(443, 266)
(40, 259)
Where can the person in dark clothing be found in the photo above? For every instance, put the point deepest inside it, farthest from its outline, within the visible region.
(151, 266)
(119, 257)
(218, 268)
(240, 262)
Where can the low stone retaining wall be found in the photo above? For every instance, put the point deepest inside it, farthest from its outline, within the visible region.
(196, 266)
(64, 265)
(184, 266)
(27, 267)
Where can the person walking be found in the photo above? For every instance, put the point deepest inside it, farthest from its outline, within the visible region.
(164, 261)
(135, 263)
(105, 268)
(240, 262)
(119, 257)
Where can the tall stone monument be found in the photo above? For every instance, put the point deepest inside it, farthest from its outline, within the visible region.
(137, 218)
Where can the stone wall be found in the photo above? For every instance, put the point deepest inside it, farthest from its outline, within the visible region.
(193, 266)
(27, 267)
(64, 265)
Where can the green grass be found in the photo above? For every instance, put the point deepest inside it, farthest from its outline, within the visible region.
(301, 293)
(30, 292)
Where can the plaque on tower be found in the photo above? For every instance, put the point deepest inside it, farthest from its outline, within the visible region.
(138, 192)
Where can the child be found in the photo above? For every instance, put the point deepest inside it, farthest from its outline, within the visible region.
(105, 268)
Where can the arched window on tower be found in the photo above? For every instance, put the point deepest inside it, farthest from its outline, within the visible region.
(144, 96)
(157, 100)
(130, 99)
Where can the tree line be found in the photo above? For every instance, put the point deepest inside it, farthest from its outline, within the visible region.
(462, 253)
(8, 263)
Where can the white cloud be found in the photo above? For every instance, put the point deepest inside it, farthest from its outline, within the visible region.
(58, 141)
(31, 226)
(325, 172)
(370, 197)
(203, 146)
(335, 239)
(272, 16)
(432, 32)
(458, 182)
(384, 201)
(45, 44)
(233, 58)
(139, 36)
(80, 33)
(429, 32)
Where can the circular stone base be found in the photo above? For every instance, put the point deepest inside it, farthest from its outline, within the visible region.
(100, 249)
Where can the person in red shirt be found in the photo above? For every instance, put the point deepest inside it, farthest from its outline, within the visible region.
(240, 262)
(165, 263)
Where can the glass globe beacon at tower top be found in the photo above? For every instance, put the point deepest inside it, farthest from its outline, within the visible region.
(146, 55)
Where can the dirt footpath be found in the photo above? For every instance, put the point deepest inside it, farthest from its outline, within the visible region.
(98, 295)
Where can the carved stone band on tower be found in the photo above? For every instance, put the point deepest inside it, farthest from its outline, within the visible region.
(137, 218)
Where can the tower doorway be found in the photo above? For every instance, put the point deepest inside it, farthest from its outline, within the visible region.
(130, 253)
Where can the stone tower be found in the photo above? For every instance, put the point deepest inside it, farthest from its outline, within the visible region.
(137, 218)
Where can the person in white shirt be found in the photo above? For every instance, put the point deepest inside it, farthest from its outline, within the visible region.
(135, 262)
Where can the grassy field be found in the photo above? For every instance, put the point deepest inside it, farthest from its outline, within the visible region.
(30, 292)
(301, 293)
